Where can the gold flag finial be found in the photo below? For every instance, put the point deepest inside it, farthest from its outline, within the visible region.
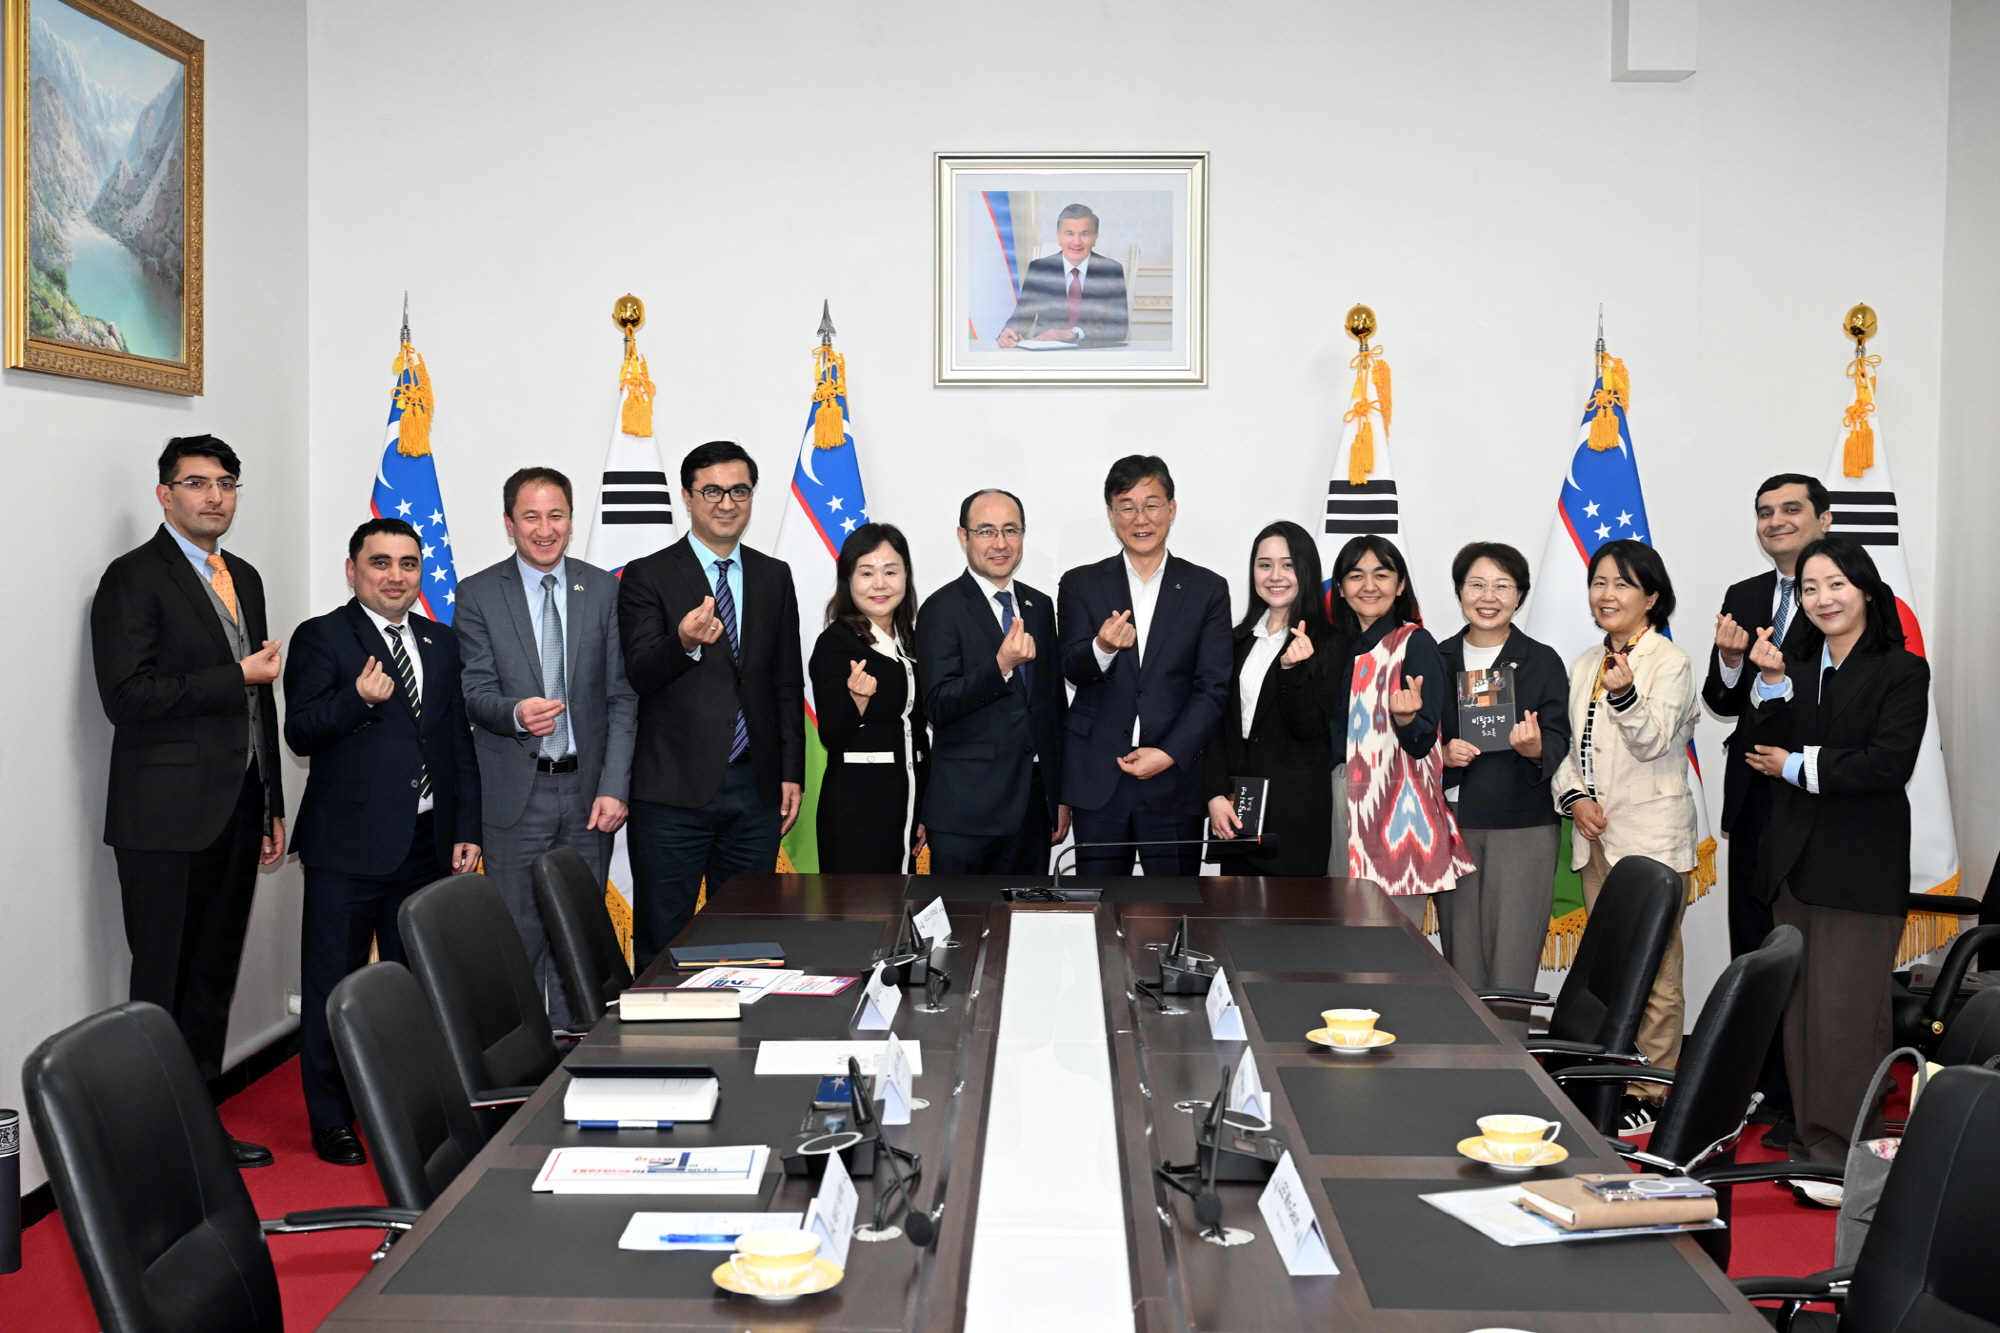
(1361, 324)
(635, 386)
(628, 312)
(1860, 325)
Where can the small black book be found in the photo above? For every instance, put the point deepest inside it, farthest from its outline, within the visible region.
(1486, 710)
(1250, 794)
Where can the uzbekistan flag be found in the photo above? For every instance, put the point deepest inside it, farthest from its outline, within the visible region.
(406, 484)
(994, 271)
(635, 517)
(1600, 501)
(825, 505)
(1864, 509)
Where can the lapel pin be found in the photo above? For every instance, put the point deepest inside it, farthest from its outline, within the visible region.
(427, 638)
(576, 587)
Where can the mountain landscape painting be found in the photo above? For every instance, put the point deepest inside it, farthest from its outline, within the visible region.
(107, 187)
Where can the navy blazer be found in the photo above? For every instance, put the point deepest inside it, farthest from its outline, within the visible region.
(1176, 693)
(986, 730)
(360, 808)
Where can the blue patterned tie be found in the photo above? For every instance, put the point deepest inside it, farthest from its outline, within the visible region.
(555, 684)
(725, 611)
(1006, 600)
(1784, 616)
(406, 675)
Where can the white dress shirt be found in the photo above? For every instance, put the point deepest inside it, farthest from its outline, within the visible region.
(1145, 596)
(1732, 674)
(388, 660)
(1266, 644)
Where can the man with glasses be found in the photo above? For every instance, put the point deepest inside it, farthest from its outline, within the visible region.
(996, 711)
(1146, 642)
(196, 803)
(711, 635)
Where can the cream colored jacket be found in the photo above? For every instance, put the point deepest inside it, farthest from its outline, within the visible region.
(1639, 756)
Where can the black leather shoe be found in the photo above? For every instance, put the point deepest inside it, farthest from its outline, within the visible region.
(1780, 1136)
(250, 1154)
(339, 1146)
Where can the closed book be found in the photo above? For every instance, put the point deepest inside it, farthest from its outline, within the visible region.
(668, 1006)
(691, 1099)
(759, 954)
(1486, 708)
(1570, 1205)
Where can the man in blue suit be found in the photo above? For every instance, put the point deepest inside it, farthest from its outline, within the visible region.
(392, 803)
(1145, 641)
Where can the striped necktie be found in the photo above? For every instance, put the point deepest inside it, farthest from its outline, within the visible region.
(725, 611)
(1782, 621)
(406, 675)
(555, 684)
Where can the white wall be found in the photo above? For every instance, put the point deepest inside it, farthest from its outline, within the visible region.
(81, 461)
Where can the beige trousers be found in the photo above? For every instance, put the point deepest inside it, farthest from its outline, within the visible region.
(1666, 1007)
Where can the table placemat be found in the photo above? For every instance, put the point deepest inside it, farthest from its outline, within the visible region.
(1117, 888)
(503, 1239)
(815, 946)
(1277, 948)
(1383, 1111)
(1411, 1256)
(1419, 1014)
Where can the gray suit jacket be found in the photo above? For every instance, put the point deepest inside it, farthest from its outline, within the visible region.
(503, 666)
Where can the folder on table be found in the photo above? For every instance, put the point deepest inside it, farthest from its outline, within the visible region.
(694, 957)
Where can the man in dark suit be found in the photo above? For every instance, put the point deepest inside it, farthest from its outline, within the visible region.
(196, 802)
(392, 803)
(1792, 513)
(711, 633)
(1077, 296)
(545, 688)
(1146, 642)
(991, 806)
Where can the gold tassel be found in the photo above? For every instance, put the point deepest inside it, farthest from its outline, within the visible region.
(1361, 458)
(1619, 382)
(1361, 455)
(1431, 926)
(1925, 931)
(1614, 390)
(1703, 878)
(621, 918)
(829, 428)
(1858, 455)
(1565, 933)
(1383, 395)
(413, 432)
(635, 416)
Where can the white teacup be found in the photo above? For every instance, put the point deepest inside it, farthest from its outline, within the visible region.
(1516, 1138)
(1349, 1027)
(774, 1260)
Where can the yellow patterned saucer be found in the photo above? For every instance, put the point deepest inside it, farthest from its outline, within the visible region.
(821, 1275)
(1548, 1154)
(1376, 1040)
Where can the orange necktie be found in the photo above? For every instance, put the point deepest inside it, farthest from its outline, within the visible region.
(225, 587)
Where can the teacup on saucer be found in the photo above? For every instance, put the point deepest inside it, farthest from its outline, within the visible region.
(1350, 1027)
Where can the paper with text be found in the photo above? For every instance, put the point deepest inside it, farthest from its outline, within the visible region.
(879, 999)
(831, 1214)
(1225, 1020)
(1294, 1226)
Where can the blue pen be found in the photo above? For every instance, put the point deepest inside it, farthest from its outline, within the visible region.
(700, 1240)
(624, 1124)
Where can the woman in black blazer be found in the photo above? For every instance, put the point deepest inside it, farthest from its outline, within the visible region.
(1839, 722)
(871, 720)
(1280, 699)
(1495, 922)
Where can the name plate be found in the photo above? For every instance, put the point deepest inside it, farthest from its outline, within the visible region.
(1294, 1227)
(879, 1000)
(1225, 1020)
(830, 1216)
(892, 1085)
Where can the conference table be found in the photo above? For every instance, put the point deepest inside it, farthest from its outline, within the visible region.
(1055, 1087)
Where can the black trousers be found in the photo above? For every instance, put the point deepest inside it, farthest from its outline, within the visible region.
(1750, 920)
(342, 913)
(1025, 851)
(674, 848)
(1125, 818)
(185, 916)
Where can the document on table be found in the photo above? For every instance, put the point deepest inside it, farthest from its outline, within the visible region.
(1497, 1215)
(751, 984)
(830, 1057)
(699, 1231)
(675, 1171)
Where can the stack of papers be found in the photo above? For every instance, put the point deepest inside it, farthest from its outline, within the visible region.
(752, 984)
(639, 1103)
(700, 1231)
(656, 1005)
(678, 1171)
(696, 956)
(1499, 1215)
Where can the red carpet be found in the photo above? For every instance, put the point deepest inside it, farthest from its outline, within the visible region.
(1775, 1236)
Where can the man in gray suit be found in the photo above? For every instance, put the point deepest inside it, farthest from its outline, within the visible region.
(553, 717)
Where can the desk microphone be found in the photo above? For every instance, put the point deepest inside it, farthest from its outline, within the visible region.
(916, 1225)
(1208, 1204)
(1054, 892)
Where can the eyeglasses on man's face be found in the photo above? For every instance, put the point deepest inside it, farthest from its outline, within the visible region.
(713, 494)
(1151, 509)
(200, 485)
(1012, 532)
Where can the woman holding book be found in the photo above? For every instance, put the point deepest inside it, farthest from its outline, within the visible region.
(1499, 762)
(1275, 727)
(1632, 708)
(1839, 720)
(871, 719)
(1391, 821)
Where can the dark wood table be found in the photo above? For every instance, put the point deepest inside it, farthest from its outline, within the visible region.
(492, 1255)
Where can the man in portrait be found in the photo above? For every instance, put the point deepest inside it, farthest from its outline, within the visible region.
(1074, 296)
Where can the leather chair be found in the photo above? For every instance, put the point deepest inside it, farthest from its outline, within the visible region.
(404, 1084)
(1928, 1261)
(588, 956)
(1713, 1092)
(466, 951)
(1603, 998)
(1974, 1036)
(1923, 1008)
(155, 1207)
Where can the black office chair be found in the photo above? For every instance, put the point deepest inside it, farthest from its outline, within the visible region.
(1928, 1261)
(1713, 1093)
(1603, 998)
(585, 944)
(466, 951)
(150, 1194)
(1923, 1010)
(404, 1084)
(1974, 1036)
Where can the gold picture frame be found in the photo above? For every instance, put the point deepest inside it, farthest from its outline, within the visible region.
(104, 210)
(1138, 312)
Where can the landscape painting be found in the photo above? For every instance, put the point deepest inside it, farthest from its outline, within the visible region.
(104, 267)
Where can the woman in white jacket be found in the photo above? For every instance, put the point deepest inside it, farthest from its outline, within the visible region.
(1633, 701)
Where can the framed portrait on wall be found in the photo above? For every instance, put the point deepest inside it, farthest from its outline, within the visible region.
(1071, 268)
(103, 194)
